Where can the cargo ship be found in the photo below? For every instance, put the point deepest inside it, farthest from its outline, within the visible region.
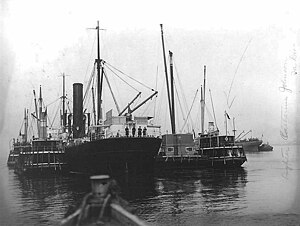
(249, 144)
(42, 154)
(118, 143)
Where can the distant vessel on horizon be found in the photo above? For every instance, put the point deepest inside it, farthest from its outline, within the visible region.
(265, 147)
(250, 145)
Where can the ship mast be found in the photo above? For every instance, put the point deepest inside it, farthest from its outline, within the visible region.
(36, 114)
(41, 135)
(203, 101)
(99, 78)
(63, 103)
(234, 130)
(26, 124)
(166, 73)
(172, 93)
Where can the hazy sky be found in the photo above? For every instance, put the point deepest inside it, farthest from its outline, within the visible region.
(254, 42)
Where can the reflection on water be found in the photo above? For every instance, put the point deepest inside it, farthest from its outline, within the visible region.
(184, 195)
(265, 186)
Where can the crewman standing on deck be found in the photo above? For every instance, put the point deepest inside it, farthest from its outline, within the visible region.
(127, 131)
(144, 131)
(139, 131)
(133, 131)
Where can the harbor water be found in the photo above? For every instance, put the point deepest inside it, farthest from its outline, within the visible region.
(265, 191)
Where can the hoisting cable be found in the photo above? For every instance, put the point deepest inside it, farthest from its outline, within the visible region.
(183, 95)
(177, 95)
(92, 52)
(122, 79)
(130, 77)
(91, 79)
(112, 93)
(55, 116)
(236, 71)
(190, 110)
(212, 104)
(45, 106)
(180, 85)
(155, 89)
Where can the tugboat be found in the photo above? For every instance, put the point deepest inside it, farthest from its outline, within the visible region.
(124, 143)
(183, 151)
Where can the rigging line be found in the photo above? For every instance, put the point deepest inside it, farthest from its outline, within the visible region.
(160, 102)
(92, 91)
(122, 79)
(89, 82)
(31, 126)
(179, 103)
(180, 84)
(238, 68)
(69, 105)
(146, 108)
(155, 89)
(190, 110)
(55, 115)
(197, 123)
(183, 96)
(45, 106)
(21, 127)
(130, 77)
(87, 102)
(212, 104)
(208, 112)
(112, 93)
(92, 51)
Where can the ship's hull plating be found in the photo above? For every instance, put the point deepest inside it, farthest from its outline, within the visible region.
(113, 155)
(198, 162)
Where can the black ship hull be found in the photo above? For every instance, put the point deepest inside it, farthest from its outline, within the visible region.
(42, 157)
(113, 155)
(250, 146)
(198, 162)
(12, 159)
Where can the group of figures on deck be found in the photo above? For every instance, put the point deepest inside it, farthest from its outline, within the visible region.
(133, 130)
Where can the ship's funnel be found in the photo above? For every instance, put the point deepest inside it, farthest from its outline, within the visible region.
(78, 127)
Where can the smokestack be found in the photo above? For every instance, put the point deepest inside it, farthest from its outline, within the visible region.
(78, 129)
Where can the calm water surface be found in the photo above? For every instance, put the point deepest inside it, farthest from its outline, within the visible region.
(263, 192)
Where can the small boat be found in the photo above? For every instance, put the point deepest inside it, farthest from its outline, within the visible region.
(103, 206)
(265, 147)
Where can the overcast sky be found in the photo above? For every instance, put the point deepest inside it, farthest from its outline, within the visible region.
(250, 46)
